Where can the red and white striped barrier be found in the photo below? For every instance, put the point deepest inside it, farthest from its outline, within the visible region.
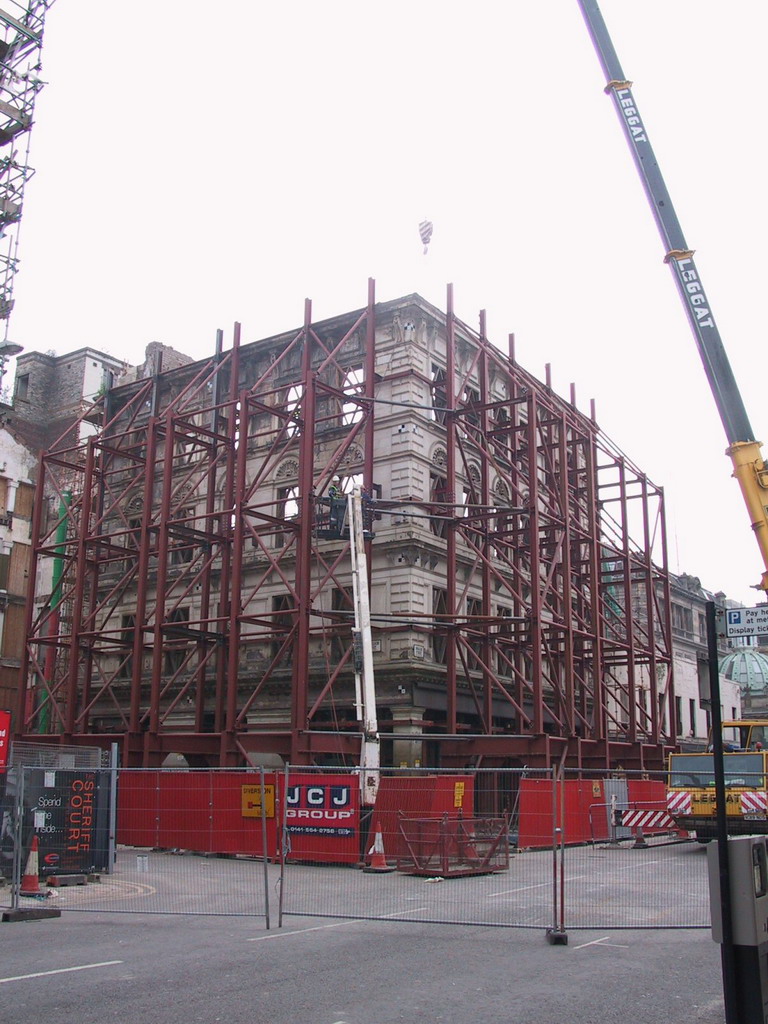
(754, 802)
(751, 802)
(679, 803)
(647, 820)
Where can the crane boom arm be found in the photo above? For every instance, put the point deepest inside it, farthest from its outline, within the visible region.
(744, 450)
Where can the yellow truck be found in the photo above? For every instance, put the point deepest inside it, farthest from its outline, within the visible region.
(691, 783)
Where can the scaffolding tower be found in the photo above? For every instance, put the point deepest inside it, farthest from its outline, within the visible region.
(198, 595)
(21, 41)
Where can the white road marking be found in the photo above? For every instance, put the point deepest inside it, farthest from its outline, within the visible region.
(601, 942)
(634, 867)
(540, 885)
(61, 970)
(522, 888)
(300, 931)
(399, 913)
(594, 942)
(336, 924)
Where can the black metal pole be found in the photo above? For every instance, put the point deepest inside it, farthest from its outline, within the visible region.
(727, 950)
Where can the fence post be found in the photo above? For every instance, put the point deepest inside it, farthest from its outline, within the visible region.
(18, 852)
(283, 839)
(112, 841)
(556, 935)
(264, 855)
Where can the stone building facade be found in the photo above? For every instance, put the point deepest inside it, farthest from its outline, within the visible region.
(50, 396)
(691, 665)
(18, 474)
(53, 397)
(51, 392)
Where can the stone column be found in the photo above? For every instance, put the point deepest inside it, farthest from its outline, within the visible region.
(407, 722)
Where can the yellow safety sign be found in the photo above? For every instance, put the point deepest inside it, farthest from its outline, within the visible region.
(251, 796)
(458, 794)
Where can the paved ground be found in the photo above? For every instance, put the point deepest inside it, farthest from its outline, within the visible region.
(89, 968)
(604, 887)
(103, 961)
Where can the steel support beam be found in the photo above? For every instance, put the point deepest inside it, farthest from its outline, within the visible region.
(204, 595)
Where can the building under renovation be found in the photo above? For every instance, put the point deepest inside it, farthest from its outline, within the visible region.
(195, 575)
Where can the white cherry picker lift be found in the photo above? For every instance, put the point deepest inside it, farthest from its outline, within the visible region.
(365, 688)
(350, 514)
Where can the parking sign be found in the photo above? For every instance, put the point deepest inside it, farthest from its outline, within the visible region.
(746, 621)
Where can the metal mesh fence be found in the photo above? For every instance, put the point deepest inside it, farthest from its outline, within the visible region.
(150, 881)
(659, 885)
(59, 756)
(437, 847)
(521, 897)
(162, 842)
(623, 862)
(477, 847)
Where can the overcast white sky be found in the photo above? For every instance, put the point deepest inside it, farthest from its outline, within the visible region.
(199, 164)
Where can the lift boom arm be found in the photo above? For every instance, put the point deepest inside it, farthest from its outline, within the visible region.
(749, 468)
(365, 687)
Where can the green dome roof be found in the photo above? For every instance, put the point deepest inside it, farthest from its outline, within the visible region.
(748, 668)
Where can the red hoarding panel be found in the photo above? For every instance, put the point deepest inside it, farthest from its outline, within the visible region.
(586, 819)
(585, 813)
(237, 823)
(216, 812)
(419, 796)
(137, 808)
(209, 812)
(650, 792)
(535, 814)
(184, 811)
(5, 737)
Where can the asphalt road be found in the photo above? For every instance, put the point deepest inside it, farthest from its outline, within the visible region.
(91, 968)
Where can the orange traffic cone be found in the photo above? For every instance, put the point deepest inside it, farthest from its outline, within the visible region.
(376, 853)
(30, 881)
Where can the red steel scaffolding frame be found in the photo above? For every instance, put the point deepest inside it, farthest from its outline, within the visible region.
(192, 598)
